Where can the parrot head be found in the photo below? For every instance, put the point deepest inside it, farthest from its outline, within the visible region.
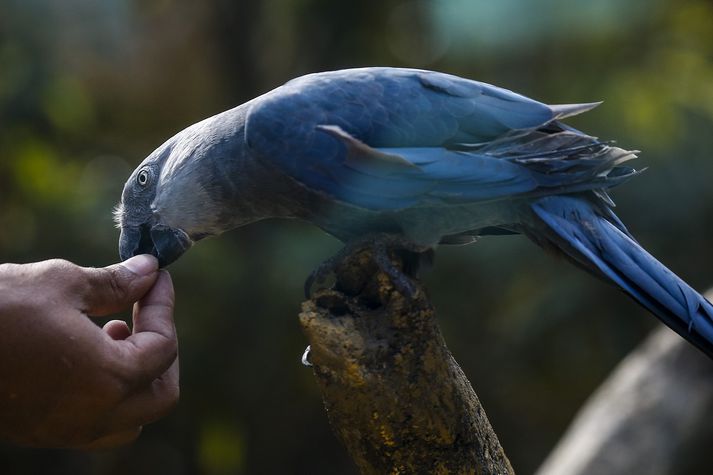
(197, 184)
(145, 227)
(167, 202)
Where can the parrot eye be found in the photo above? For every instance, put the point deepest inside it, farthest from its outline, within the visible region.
(143, 177)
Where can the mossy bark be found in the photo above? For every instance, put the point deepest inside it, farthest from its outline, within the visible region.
(393, 392)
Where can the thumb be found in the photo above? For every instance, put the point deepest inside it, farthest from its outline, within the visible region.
(115, 288)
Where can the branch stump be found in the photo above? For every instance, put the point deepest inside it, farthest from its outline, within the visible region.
(394, 395)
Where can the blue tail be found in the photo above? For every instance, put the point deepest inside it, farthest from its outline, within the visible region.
(587, 232)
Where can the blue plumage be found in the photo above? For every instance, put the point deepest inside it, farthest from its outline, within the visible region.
(467, 141)
(601, 244)
(429, 157)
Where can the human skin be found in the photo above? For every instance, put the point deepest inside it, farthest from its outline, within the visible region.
(65, 381)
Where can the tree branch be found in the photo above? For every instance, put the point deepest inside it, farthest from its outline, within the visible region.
(393, 392)
(640, 418)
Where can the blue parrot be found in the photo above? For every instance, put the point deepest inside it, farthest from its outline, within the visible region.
(403, 158)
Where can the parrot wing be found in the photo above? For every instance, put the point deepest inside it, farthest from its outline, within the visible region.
(385, 138)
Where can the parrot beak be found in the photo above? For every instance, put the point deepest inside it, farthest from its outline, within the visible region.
(167, 244)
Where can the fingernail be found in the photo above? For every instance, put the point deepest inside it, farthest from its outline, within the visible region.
(143, 264)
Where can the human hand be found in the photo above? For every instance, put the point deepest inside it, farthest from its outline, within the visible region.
(66, 382)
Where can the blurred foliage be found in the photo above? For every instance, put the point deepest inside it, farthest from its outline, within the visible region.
(87, 89)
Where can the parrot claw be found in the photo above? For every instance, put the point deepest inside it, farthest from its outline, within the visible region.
(379, 244)
(305, 356)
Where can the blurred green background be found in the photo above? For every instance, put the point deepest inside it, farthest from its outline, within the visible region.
(88, 89)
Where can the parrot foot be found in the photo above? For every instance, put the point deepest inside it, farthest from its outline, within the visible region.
(380, 245)
(401, 281)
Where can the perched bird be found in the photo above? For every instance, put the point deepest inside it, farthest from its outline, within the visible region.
(389, 157)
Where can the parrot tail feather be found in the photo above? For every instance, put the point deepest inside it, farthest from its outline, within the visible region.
(588, 233)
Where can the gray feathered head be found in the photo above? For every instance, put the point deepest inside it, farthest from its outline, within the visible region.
(172, 198)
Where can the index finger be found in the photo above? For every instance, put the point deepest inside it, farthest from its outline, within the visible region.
(153, 344)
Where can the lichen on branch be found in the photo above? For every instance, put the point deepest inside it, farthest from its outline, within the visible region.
(393, 393)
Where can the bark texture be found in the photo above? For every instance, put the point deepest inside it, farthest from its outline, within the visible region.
(393, 392)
